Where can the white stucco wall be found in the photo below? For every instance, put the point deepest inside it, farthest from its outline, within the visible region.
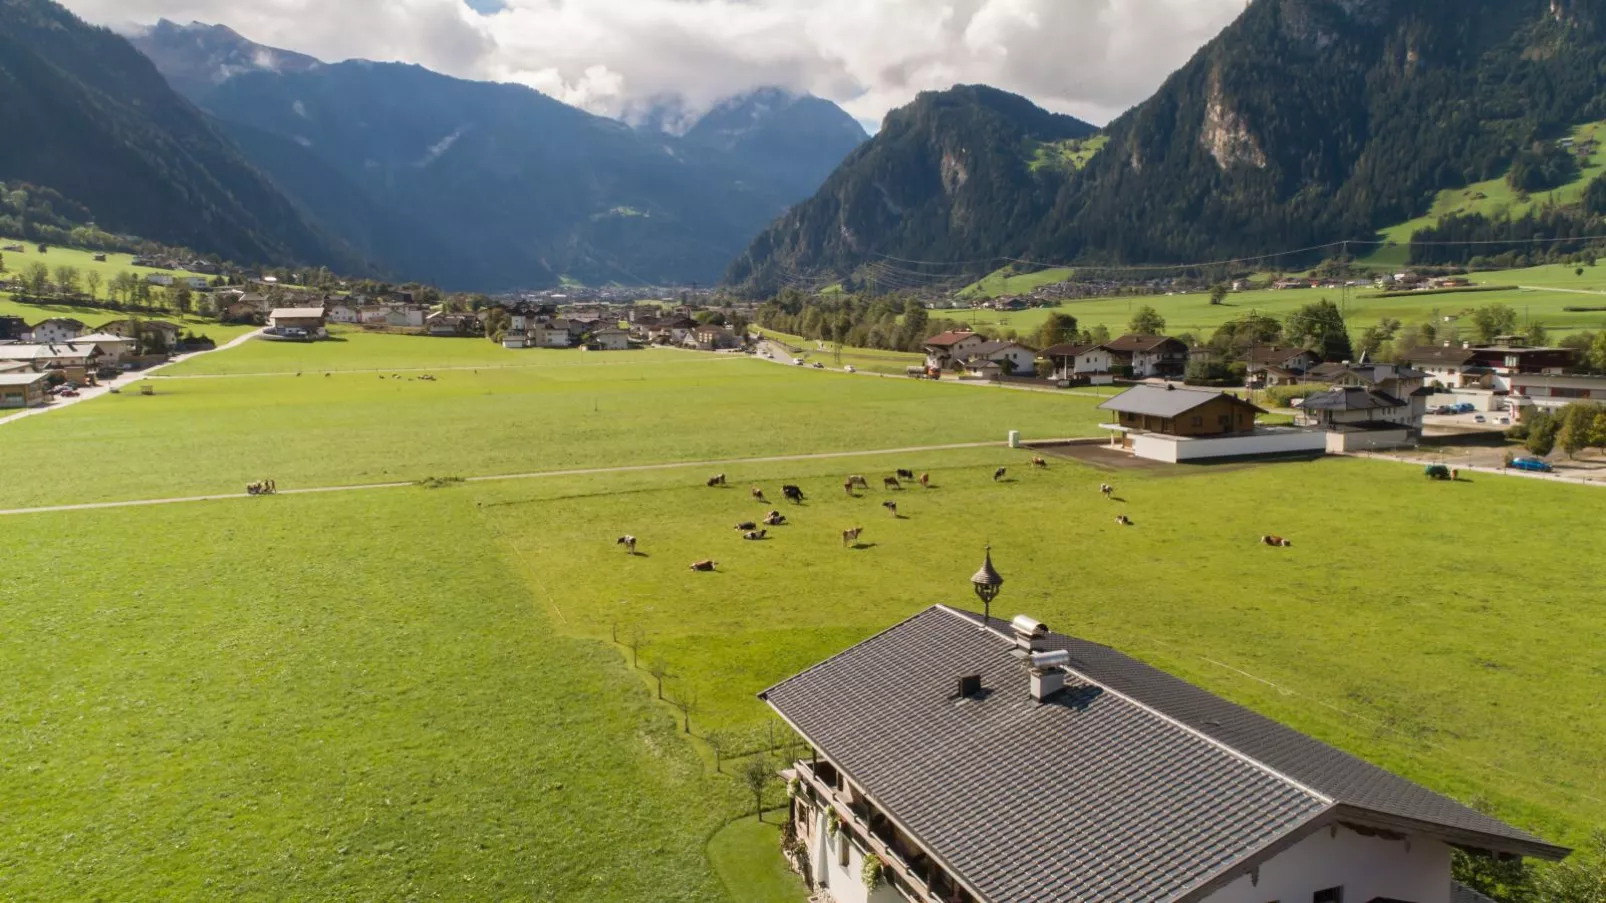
(1417, 869)
(1173, 450)
(845, 883)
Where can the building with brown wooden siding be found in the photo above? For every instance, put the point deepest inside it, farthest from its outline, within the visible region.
(1189, 413)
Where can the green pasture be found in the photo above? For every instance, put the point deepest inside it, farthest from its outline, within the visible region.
(354, 350)
(1550, 291)
(1394, 628)
(349, 697)
(84, 261)
(866, 360)
(208, 435)
(33, 313)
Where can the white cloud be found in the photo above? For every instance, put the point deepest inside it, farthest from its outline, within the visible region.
(1092, 58)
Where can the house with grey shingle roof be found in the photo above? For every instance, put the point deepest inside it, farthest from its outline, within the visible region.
(979, 761)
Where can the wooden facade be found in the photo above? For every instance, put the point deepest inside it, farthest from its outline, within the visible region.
(1220, 416)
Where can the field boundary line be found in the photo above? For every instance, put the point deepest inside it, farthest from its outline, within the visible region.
(533, 475)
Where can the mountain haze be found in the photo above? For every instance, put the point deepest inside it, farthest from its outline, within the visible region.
(89, 117)
(1304, 122)
(494, 186)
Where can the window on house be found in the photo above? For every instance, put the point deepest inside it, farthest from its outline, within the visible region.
(1224, 420)
(1330, 895)
(842, 848)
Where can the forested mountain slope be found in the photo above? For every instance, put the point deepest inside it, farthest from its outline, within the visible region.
(1304, 122)
(90, 118)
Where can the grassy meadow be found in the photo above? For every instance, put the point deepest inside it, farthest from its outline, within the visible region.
(83, 260)
(562, 410)
(416, 693)
(1542, 295)
(93, 317)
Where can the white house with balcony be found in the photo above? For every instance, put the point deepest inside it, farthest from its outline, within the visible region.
(972, 760)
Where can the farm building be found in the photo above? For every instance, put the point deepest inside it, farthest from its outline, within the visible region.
(157, 335)
(985, 762)
(23, 389)
(113, 348)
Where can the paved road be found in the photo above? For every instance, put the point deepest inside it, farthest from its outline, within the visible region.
(122, 382)
(538, 475)
(1451, 461)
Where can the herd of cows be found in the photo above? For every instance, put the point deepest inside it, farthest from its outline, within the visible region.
(753, 531)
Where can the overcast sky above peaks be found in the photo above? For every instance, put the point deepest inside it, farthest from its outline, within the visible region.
(1090, 58)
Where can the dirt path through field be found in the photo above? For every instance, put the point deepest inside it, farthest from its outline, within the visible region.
(537, 475)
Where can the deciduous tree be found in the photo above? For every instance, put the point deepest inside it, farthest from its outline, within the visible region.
(757, 775)
(1146, 321)
(1494, 320)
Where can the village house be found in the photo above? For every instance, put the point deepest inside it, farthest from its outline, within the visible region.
(611, 339)
(56, 329)
(342, 312)
(76, 361)
(1445, 365)
(1093, 363)
(14, 329)
(159, 279)
(1405, 384)
(945, 350)
(152, 336)
(672, 331)
(1359, 419)
(23, 389)
(1011, 358)
(1174, 425)
(398, 316)
(983, 761)
(197, 283)
(112, 348)
(1551, 392)
(550, 335)
(1149, 356)
(711, 338)
(449, 325)
(310, 320)
(1288, 363)
(514, 340)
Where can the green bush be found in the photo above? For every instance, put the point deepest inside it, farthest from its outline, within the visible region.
(872, 871)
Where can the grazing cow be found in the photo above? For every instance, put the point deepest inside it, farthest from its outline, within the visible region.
(1039, 463)
(847, 486)
(775, 519)
(851, 536)
(716, 480)
(891, 506)
(746, 525)
(704, 565)
(906, 475)
(1107, 490)
(1123, 520)
(629, 542)
(793, 494)
(925, 481)
(758, 494)
(1277, 541)
(891, 483)
(1000, 473)
(860, 482)
(755, 535)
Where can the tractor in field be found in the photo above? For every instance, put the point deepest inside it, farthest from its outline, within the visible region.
(1436, 472)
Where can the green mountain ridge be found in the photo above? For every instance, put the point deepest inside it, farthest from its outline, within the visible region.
(90, 118)
(1304, 122)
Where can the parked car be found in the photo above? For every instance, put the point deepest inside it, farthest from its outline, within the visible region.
(797, 362)
(1533, 465)
(849, 369)
(69, 393)
(1480, 419)
(818, 365)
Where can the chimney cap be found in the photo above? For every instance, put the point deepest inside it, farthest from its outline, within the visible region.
(1028, 626)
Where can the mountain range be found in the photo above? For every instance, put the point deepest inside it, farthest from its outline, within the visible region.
(90, 118)
(493, 186)
(1304, 122)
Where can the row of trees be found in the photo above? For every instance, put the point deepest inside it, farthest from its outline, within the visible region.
(36, 280)
(1572, 429)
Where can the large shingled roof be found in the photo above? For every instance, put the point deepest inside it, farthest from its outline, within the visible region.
(1166, 401)
(1128, 785)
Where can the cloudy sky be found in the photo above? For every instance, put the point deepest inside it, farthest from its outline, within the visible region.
(1090, 58)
